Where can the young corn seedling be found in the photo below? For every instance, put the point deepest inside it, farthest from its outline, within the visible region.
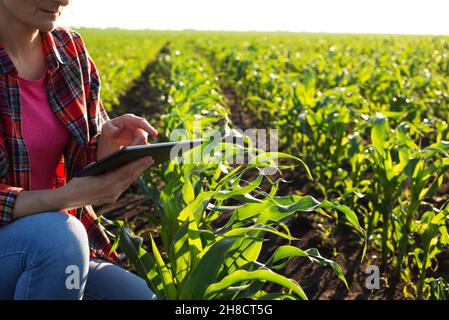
(204, 262)
(406, 177)
(434, 236)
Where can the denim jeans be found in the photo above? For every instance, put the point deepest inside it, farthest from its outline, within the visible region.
(46, 256)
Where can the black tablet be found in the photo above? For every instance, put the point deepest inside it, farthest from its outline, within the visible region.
(160, 152)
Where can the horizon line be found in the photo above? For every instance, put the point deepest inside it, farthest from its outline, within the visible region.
(264, 31)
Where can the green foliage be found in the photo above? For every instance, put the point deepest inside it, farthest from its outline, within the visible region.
(197, 259)
(367, 114)
(120, 58)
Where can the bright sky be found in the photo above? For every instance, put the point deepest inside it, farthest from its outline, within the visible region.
(349, 16)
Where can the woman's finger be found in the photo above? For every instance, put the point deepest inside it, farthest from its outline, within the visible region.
(133, 122)
(140, 137)
(112, 128)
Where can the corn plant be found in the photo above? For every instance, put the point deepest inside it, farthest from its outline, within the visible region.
(203, 262)
(434, 236)
(405, 178)
(438, 288)
(196, 259)
(368, 114)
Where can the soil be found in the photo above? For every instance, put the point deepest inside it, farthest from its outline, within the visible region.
(242, 119)
(343, 247)
(142, 99)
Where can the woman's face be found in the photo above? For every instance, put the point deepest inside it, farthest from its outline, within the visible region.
(38, 14)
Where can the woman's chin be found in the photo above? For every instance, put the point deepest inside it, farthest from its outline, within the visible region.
(46, 26)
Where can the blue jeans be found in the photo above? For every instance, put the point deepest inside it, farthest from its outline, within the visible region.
(46, 256)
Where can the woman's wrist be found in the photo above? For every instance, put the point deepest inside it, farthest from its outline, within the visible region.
(69, 197)
(30, 202)
(61, 199)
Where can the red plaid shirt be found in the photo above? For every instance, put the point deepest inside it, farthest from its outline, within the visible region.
(74, 96)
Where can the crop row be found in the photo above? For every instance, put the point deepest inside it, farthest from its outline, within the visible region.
(369, 116)
(120, 58)
(213, 215)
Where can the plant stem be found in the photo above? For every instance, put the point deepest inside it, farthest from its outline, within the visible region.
(422, 275)
(403, 243)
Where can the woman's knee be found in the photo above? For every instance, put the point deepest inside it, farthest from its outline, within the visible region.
(57, 251)
(62, 235)
(111, 282)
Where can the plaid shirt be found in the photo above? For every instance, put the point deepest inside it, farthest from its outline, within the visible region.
(74, 96)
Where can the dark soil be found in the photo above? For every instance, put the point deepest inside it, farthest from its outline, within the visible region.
(242, 119)
(345, 248)
(141, 98)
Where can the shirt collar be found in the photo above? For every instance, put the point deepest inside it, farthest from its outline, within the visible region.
(6, 64)
(51, 51)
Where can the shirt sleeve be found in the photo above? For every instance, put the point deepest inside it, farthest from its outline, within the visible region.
(97, 114)
(8, 194)
(8, 197)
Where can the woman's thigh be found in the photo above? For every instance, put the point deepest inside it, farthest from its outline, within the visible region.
(35, 252)
(107, 281)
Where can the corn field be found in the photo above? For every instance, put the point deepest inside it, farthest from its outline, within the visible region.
(360, 181)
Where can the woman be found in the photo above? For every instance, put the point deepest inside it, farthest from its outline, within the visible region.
(52, 124)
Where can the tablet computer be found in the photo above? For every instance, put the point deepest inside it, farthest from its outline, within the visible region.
(160, 152)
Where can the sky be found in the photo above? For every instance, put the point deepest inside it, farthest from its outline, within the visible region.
(331, 16)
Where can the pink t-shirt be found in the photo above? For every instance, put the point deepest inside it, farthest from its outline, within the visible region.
(44, 134)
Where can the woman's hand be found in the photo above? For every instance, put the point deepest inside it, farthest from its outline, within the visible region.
(125, 130)
(104, 188)
(82, 191)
